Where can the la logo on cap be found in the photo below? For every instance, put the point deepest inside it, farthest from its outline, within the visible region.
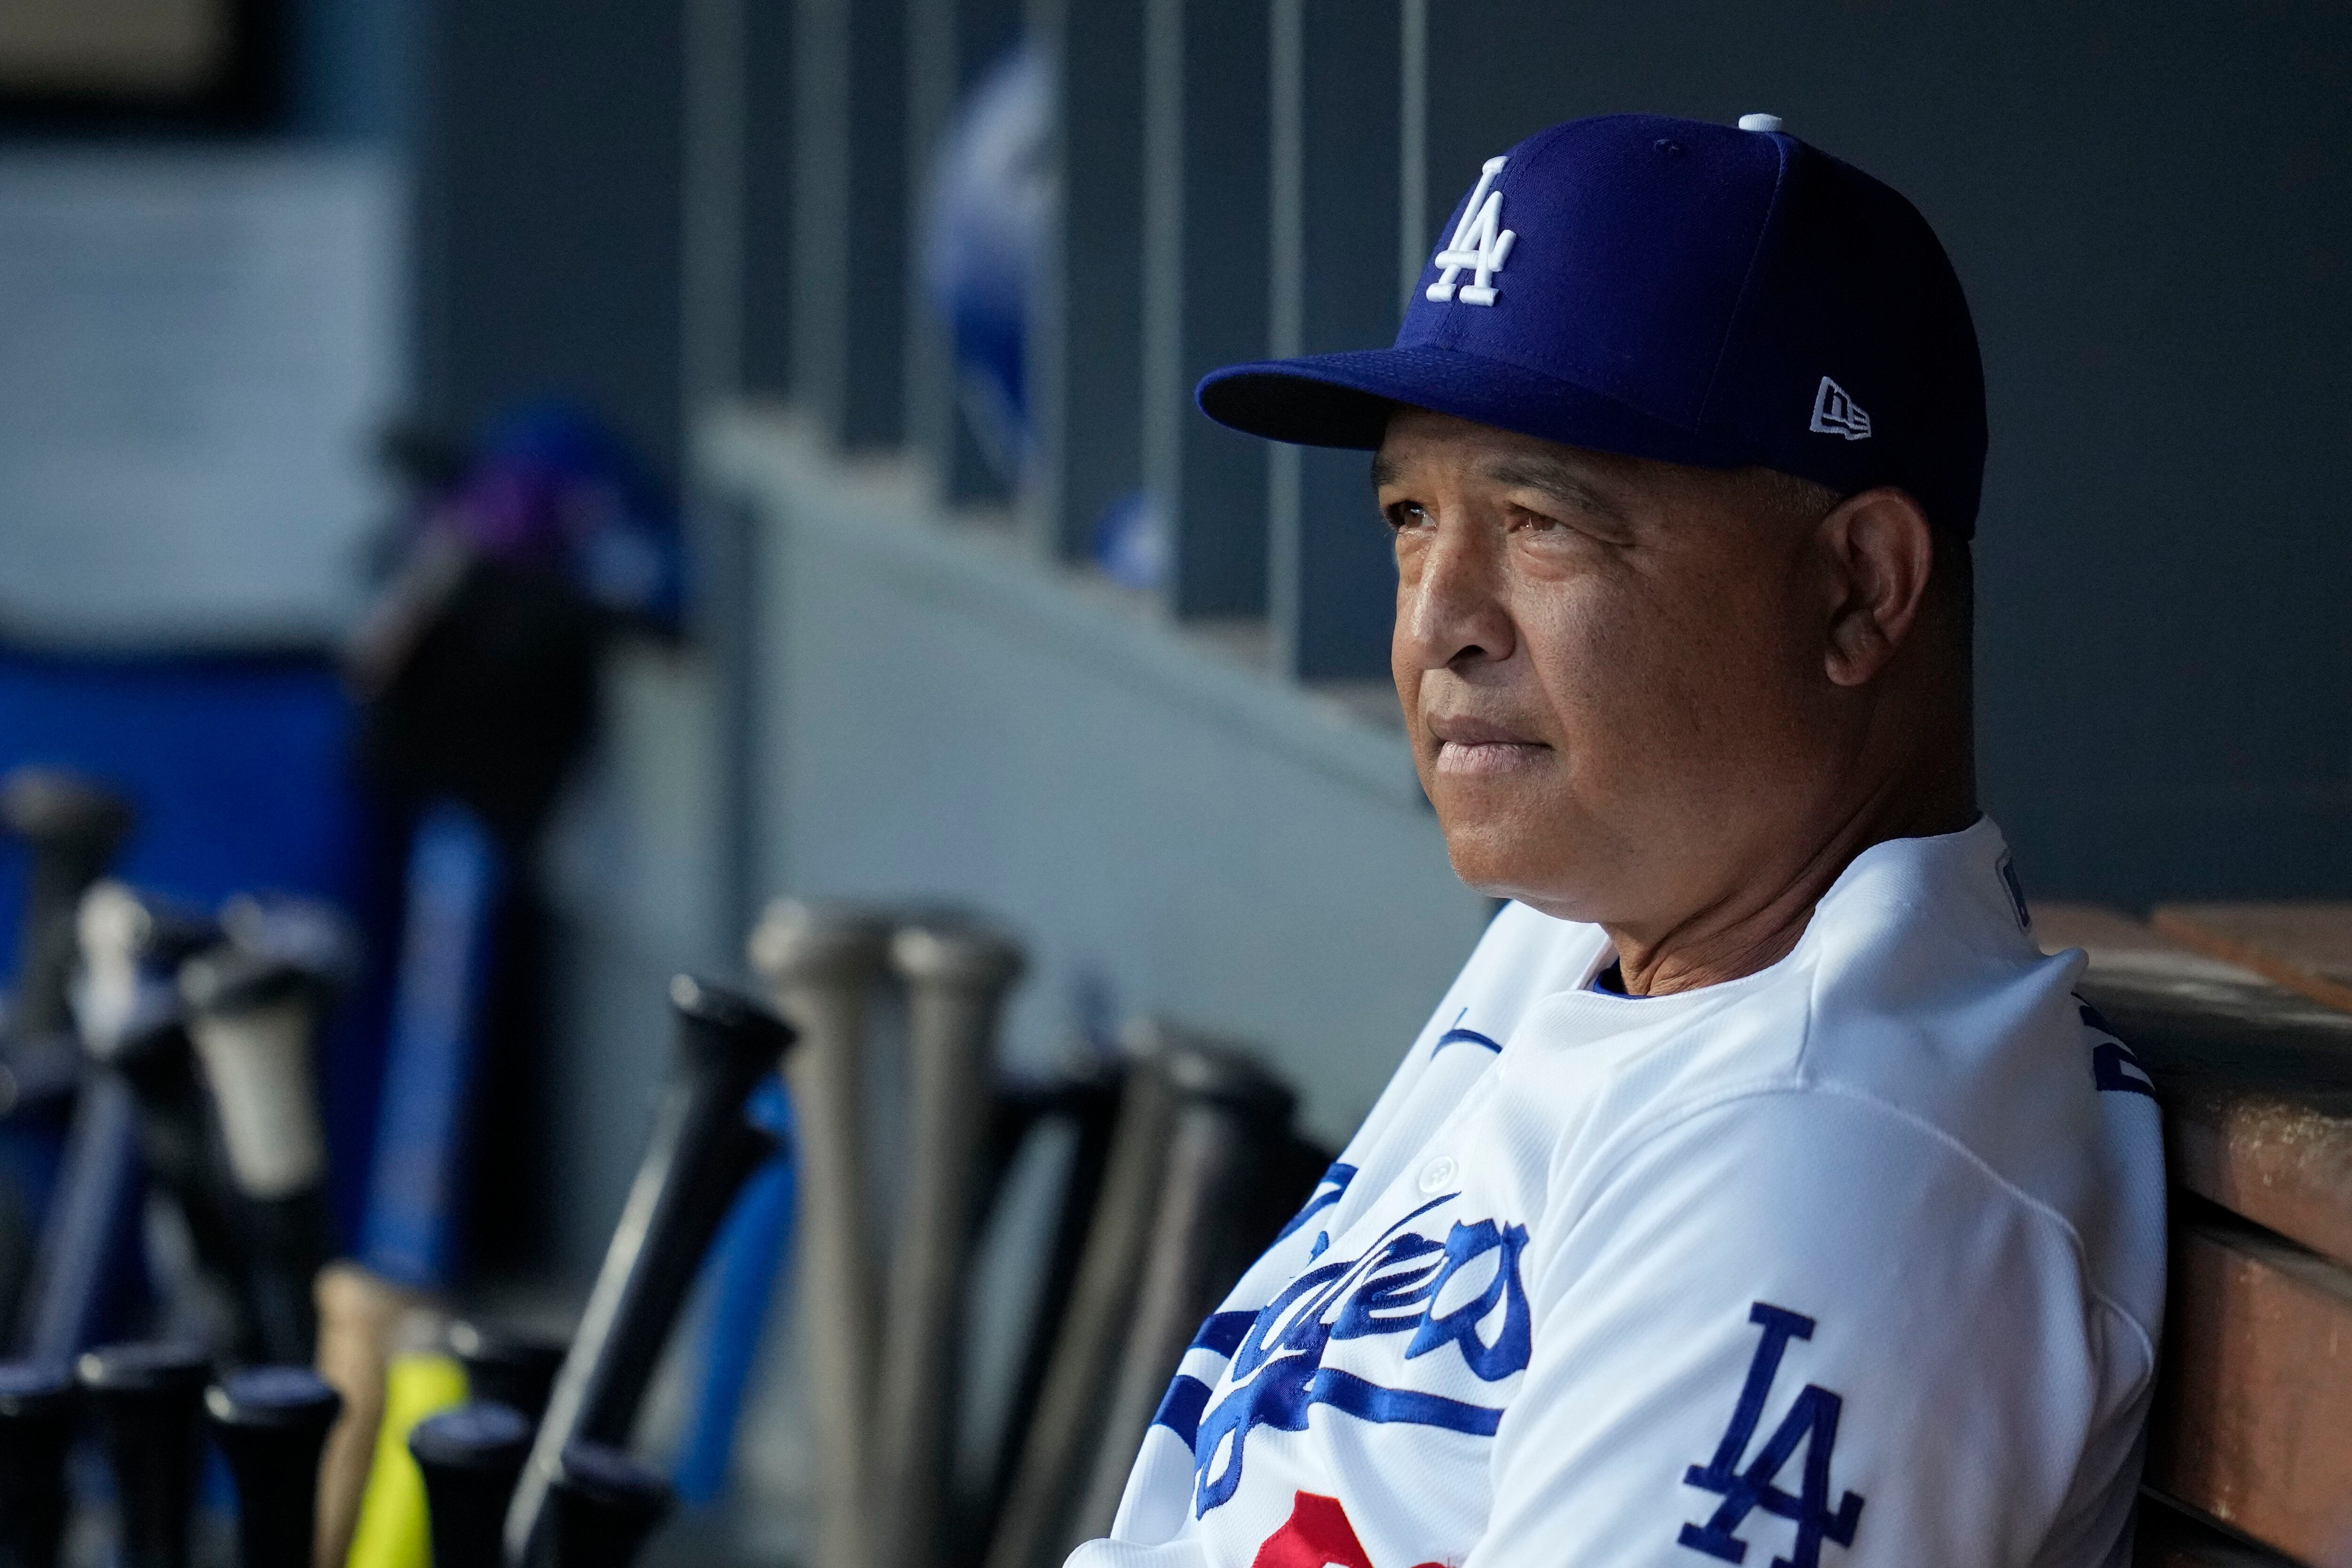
(1480, 243)
(1835, 414)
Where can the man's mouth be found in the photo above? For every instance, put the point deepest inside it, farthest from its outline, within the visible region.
(1468, 747)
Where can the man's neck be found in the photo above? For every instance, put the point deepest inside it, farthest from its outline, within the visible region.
(1754, 926)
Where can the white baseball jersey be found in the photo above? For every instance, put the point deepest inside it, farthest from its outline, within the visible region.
(1856, 1260)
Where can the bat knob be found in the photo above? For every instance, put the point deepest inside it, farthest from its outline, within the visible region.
(721, 1029)
(37, 1400)
(510, 1369)
(1202, 1068)
(801, 943)
(147, 1398)
(606, 1504)
(955, 952)
(270, 1423)
(470, 1456)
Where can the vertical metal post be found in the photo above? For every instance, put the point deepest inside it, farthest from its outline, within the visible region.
(1204, 291)
(849, 239)
(714, 88)
(765, 247)
(1336, 192)
(1086, 325)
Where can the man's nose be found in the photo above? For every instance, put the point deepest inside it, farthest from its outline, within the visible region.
(1451, 611)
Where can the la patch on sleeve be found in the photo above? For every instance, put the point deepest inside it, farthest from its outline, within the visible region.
(1811, 1424)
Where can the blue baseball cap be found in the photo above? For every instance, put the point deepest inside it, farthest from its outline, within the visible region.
(1673, 290)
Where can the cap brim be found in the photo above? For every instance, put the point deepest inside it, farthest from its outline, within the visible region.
(1346, 399)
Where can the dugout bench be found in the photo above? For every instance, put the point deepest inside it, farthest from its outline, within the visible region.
(2241, 1014)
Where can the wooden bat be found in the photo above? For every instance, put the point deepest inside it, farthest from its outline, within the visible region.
(956, 975)
(821, 963)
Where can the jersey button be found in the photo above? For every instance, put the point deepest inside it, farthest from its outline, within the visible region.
(1438, 1173)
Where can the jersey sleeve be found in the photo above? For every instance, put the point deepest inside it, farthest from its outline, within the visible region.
(1801, 1328)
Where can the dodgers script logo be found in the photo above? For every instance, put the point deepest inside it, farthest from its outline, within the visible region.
(1459, 1296)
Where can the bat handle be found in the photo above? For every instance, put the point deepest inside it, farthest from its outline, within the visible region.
(147, 1398)
(36, 1400)
(515, 1370)
(470, 1457)
(270, 1423)
(606, 1504)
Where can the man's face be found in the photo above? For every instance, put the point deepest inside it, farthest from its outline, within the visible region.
(1612, 670)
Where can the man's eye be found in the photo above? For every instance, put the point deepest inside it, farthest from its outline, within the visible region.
(1404, 514)
(1523, 520)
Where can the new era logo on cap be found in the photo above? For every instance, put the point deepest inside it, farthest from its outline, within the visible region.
(1835, 414)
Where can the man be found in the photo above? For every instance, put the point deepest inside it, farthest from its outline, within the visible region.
(1759, 1193)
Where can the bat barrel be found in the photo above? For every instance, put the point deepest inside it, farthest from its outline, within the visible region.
(702, 1150)
(956, 975)
(1178, 1217)
(251, 1019)
(821, 963)
(470, 1457)
(606, 1504)
(270, 1423)
(147, 1398)
(1229, 1134)
(502, 1367)
(36, 1406)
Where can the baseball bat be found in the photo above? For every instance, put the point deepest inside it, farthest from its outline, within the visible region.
(1182, 1214)
(269, 1423)
(147, 1398)
(956, 976)
(73, 826)
(255, 1003)
(504, 1367)
(73, 829)
(455, 873)
(745, 1257)
(1087, 1104)
(89, 1270)
(821, 963)
(35, 1421)
(606, 1504)
(1228, 1136)
(471, 1458)
(701, 1150)
(134, 1025)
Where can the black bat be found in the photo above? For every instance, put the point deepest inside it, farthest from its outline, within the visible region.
(36, 1406)
(270, 1423)
(147, 1398)
(74, 827)
(1088, 1105)
(1200, 1164)
(606, 1504)
(701, 1151)
(508, 1368)
(470, 1457)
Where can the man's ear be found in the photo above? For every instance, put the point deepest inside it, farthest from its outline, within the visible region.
(1879, 550)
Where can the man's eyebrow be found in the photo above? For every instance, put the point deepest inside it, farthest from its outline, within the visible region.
(1384, 470)
(1554, 479)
